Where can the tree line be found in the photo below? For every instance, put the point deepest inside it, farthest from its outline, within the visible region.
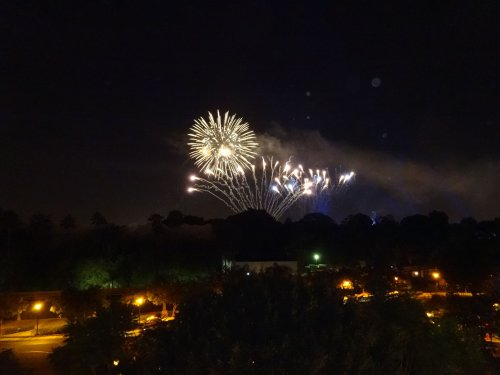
(41, 254)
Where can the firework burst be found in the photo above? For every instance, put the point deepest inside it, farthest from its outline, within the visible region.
(323, 187)
(270, 186)
(222, 145)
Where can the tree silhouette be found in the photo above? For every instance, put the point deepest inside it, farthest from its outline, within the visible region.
(68, 223)
(156, 222)
(174, 219)
(98, 220)
(10, 365)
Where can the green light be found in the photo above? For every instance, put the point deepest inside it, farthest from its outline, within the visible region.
(316, 257)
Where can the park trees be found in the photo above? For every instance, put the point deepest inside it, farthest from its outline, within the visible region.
(283, 325)
(13, 305)
(78, 305)
(93, 346)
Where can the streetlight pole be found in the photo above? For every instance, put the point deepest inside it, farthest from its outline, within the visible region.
(139, 301)
(436, 276)
(36, 308)
(316, 257)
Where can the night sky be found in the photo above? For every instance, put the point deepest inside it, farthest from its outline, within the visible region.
(95, 101)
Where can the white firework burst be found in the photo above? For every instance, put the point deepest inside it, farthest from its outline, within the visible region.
(222, 145)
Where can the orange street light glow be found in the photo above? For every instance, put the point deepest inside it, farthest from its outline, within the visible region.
(346, 284)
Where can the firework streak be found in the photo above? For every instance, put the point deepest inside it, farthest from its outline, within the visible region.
(270, 186)
(224, 150)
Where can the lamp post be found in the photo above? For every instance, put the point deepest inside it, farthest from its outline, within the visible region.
(436, 276)
(316, 257)
(37, 307)
(139, 302)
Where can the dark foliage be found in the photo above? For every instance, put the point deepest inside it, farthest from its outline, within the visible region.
(92, 345)
(10, 365)
(41, 255)
(275, 324)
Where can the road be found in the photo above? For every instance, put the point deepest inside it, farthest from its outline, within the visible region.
(32, 351)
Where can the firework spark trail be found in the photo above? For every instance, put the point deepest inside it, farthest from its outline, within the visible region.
(274, 187)
(208, 187)
(222, 145)
(323, 188)
(224, 149)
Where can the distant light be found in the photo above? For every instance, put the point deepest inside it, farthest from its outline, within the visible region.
(396, 278)
(38, 306)
(436, 275)
(415, 273)
(429, 314)
(316, 256)
(248, 273)
(116, 362)
(139, 301)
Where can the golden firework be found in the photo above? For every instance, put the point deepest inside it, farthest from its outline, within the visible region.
(222, 145)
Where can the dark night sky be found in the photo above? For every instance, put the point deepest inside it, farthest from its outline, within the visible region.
(95, 101)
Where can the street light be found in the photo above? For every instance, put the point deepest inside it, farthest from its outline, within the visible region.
(346, 284)
(37, 307)
(436, 276)
(139, 301)
(316, 257)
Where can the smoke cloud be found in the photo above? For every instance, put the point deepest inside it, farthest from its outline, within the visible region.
(390, 184)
